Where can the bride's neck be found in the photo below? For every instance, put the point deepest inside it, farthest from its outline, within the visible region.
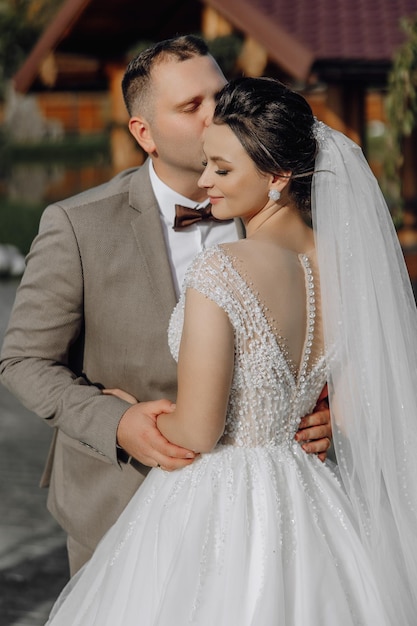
(286, 227)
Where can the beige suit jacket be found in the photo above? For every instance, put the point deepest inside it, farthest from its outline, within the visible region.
(92, 311)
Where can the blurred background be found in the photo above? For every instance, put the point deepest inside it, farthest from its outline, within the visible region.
(63, 129)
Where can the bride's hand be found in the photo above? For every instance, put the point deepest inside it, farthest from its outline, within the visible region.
(119, 393)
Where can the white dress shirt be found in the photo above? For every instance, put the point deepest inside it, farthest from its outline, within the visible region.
(185, 244)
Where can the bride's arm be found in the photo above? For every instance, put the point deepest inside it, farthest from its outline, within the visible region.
(205, 369)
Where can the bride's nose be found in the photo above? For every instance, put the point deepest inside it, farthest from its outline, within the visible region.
(204, 180)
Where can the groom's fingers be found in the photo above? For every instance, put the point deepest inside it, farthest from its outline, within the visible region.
(317, 446)
(317, 424)
(315, 432)
(139, 436)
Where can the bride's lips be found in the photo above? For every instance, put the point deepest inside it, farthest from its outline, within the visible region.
(215, 199)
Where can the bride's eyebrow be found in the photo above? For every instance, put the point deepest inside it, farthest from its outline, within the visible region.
(220, 158)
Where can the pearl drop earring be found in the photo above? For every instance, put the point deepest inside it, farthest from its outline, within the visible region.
(274, 195)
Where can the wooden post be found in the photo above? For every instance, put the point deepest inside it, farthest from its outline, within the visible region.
(253, 58)
(213, 24)
(345, 110)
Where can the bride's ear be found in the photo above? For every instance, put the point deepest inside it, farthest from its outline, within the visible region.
(280, 181)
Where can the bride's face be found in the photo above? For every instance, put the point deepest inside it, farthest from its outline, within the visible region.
(234, 185)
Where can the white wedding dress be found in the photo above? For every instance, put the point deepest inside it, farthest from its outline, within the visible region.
(257, 532)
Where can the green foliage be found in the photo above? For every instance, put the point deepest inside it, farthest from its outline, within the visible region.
(19, 223)
(226, 50)
(78, 149)
(21, 22)
(19, 217)
(4, 150)
(16, 38)
(401, 107)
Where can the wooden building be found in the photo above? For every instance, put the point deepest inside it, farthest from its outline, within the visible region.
(336, 52)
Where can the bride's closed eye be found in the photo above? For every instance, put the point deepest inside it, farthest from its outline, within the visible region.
(219, 172)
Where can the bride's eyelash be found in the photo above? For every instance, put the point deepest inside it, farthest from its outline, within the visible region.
(219, 172)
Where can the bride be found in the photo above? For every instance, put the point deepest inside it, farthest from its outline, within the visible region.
(255, 532)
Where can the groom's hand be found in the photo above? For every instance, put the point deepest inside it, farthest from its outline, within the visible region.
(315, 431)
(139, 436)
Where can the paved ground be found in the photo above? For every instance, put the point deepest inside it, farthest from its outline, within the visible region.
(33, 567)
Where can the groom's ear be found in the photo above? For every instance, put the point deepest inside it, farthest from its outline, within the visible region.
(141, 131)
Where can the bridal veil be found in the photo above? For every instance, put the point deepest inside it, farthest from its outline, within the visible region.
(370, 325)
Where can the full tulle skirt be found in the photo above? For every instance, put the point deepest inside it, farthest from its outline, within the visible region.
(242, 537)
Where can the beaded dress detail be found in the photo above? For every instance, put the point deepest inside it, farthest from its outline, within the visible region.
(255, 533)
(265, 381)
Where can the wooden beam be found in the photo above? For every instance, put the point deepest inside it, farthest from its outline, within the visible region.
(52, 35)
(283, 48)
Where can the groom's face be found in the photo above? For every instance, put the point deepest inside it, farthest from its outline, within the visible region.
(182, 98)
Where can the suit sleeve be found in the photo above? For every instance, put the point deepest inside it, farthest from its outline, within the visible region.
(46, 321)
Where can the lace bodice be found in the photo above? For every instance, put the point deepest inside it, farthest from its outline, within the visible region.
(268, 394)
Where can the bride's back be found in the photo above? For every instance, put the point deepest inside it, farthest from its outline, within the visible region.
(269, 294)
(280, 281)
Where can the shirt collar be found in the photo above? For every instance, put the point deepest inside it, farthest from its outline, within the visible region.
(167, 198)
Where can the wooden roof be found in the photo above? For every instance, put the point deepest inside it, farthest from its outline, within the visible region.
(105, 30)
(348, 38)
(335, 36)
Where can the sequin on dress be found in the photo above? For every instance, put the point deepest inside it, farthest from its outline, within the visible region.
(255, 533)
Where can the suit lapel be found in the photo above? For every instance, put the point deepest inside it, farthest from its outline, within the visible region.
(150, 239)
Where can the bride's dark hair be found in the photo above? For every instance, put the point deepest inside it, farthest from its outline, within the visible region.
(275, 127)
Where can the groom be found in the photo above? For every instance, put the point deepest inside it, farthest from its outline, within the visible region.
(93, 307)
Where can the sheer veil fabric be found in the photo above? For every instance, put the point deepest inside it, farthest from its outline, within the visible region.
(370, 327)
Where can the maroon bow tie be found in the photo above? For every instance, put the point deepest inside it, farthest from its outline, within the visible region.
(184, 216)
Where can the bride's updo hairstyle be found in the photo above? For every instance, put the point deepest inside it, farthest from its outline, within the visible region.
(275, 127)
